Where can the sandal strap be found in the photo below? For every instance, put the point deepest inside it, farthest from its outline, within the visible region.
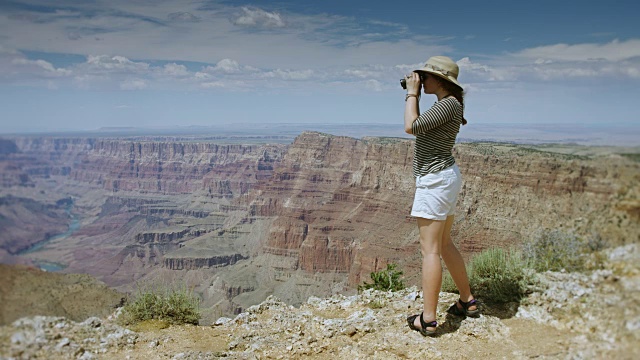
(466, 305)
(425, 324)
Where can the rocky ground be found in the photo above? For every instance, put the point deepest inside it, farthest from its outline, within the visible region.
(568, 316)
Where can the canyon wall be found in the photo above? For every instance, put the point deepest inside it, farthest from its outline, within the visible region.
(342, 205)
(240, 222)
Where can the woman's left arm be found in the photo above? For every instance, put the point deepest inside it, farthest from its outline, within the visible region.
(412, 105)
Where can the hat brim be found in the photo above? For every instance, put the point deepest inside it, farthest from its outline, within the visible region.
(442, 76)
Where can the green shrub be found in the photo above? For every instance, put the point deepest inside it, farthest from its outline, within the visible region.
(447, 283)
(632, 156)
(376, 304)
(556, 250)
(498, 275)
(385, 280)
(173, 305)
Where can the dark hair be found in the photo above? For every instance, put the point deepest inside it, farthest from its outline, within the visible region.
(456, 91)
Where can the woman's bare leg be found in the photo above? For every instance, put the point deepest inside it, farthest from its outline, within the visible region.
(455, 264)
(431, 232)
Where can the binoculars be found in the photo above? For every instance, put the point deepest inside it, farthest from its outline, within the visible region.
(403, 81)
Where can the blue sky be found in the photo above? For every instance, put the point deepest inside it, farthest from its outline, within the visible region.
(83, 65)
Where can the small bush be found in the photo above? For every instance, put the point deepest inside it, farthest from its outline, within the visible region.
(385, 280)
(447, 283)
(499, 275)
(376, 304)
(173, 305)
(556, 250)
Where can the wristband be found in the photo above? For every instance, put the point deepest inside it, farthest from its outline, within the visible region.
(410, 95)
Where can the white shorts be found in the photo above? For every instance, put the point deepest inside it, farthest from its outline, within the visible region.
(437, 193)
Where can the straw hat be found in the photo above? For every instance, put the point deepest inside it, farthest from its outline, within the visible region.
(442, 67)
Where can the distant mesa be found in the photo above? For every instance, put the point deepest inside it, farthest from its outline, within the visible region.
(118, 128)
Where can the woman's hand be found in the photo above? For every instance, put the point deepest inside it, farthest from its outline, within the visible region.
(413, 83)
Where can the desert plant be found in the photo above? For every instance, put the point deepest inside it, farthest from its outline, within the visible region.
(176, 305)
(499, 275)
(447, 283)
(385, 280)
(556, 250)
(376, 304)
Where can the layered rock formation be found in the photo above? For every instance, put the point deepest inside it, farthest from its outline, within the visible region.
(511, 192)
(339, 203)
(315, 217)
(342, 205)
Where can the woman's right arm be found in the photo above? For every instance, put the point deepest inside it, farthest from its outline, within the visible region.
(412, 104)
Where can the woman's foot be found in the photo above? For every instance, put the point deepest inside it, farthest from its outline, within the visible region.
(417, 323)
(461, 308)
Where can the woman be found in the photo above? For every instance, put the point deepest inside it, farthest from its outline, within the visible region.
(438, 183)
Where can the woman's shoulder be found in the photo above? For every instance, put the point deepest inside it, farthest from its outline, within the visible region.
(449, 102)
(450, 99)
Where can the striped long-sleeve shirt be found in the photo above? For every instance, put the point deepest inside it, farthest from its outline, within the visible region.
(436, 130)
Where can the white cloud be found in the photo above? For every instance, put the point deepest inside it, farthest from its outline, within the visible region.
(227, 66)
(613, 51)
(407, 68)
(202, 75)
(611, 62)
(163, 32)
(15, 66)
(49, 69)
(318, 48)
(473, 71)
(255, 17)
(289, 74)
(183, 16)
(87, 81)
(133, 84)
(374, 85)
(586, 70)
(363, 73)
(212, 84)
(174, 69)
(114, 63)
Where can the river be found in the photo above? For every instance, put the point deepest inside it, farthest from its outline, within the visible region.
(74, 225)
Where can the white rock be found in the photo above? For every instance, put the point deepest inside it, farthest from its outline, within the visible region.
(222, 321)
(93, 322)
(64, 342)
(633, 324)
(314, 301)
(532, 312)
(18, 338)
(86, 356)
(412, 296)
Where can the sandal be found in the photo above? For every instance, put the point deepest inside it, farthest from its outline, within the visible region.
(424, 325)
(464, 311)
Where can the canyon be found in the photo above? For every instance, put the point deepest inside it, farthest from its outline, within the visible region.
(239, 222)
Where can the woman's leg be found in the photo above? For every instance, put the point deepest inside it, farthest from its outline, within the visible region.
(455, 264)
(431, 232)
